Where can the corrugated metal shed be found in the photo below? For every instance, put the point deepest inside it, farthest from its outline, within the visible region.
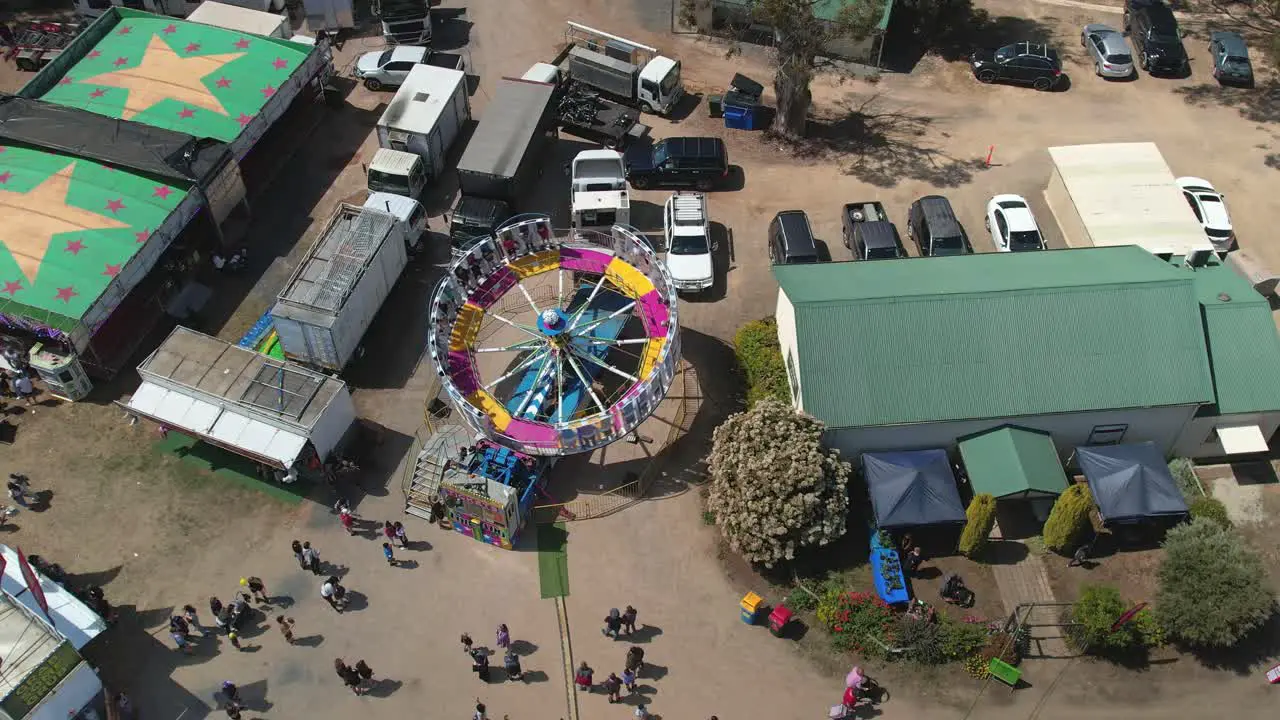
(997, 335)
(1244, 348)
(1125, 194)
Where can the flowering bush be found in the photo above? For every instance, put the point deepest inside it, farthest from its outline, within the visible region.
(853, 617)
(774, 489)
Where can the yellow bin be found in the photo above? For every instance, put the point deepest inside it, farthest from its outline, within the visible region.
(751, 605)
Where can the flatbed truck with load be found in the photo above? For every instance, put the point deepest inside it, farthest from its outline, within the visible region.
(629, 72)
(584, 113)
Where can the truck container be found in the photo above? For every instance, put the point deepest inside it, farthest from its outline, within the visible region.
(426, 115)
(329, 301)
(404, 22)
(329, 15)
(631, 72)
(504, 154)
(598, 70)
(242, 19)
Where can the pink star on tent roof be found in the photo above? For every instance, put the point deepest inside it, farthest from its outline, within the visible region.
(268, 91)
(244, 119)
(115, 206)
(141, 237)
(74, 246)
(170, 28)
(279, 63)
(119, 61)
(112, 270)
(192, 47)
(4, 177)
(65, 81)
(223, 83)
(126, 30)
(65, 294)
(185, 113)
(162, 192)
(12, 287)
(94, 53)
(242, 44)
(97, 93)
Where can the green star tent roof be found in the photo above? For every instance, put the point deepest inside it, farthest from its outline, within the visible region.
(996, 335)
(70, 226)
(193, 78)
(1013, 462)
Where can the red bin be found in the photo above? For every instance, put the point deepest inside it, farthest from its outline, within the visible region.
(778, 620)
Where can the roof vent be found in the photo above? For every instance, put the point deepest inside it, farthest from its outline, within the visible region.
(1223, 297)
(421, 97)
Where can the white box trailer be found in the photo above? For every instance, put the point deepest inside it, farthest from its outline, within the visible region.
(329, 302)
(243, 401)
(242, 19)
(426, 115)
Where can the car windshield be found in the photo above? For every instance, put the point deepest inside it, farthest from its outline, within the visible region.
(1235, 62)
(1025, 240)
(1004, 53)
(1119, 59)
(689, 245)
(388, 182)
(671, 80)
(384, 58)
(1217, 233)
(882, 253)
(659, 153)
(954, 242)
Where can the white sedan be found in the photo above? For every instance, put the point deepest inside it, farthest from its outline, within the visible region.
(1011, 224)
(1210, 210)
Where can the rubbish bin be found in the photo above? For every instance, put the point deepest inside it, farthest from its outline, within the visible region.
(751, 605)
(778, 620)
(737, 117)
(715, 105)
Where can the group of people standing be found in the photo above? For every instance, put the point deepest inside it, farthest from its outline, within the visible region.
(480, 656)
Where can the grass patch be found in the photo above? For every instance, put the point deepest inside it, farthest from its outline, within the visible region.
(553, 560)
(200, 459)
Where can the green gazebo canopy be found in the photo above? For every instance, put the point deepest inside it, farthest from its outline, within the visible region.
(1013, 462)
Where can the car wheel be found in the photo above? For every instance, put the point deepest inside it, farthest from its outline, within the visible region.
(641, 183)
(987, 76)
(1097, 70)
(1142, 63)
(373, 84)
(986, 222)
(1042, 83)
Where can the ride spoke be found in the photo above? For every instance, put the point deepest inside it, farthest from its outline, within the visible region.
(602, 364)
(577, 314)
(596, 323)
(593, 340)
(533, 389)
(528, 297)
(559, 287)
(529, 360)
(560, 389)
(518, 347)
(518, 326)
(582, 378)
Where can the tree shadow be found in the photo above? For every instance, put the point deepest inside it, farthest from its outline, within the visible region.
(1004, 552)
(1260, 105)
(951, 30)
(887, 146)
(1247, 656)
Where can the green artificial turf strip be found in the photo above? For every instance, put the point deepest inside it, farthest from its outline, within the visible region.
(553, 560)
(229, 466)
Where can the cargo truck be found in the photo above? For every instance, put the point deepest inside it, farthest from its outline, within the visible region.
(330, 300)
(628, 71)
(426, 115)
(404, 22)
(582, 112)
(598, 194)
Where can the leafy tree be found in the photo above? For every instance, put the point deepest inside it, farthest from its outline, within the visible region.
(1262, 17)
(1069, 518)
(801, 37)
(1213, 590)
(1096, 612)
(774, 489)
(1211, 508)
(760, 356)
(980, 518)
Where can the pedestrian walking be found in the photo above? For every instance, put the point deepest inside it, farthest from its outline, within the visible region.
(217, 610)
(629, 680)
(24, 389)
(612, 624)
(641, 712)
(1081, 555)
(189, 614)
(350, 677)
(503, 637)
(348, 520)
(311, 558)
(511, 663)
(329, 591)
(286, 627)
(364, 671)
(629, 619)
(466, 643)
(441, 517)
(582, 678)
(231, 692)
(299, 555)
(17, 493)
(234, 637)
(480, 664)
(914, 558)
(635, 659)
(178, 624)
(389, 531)
(480, 713)
(613, 686)
(256, 587)
(402, 538)
(180, 640)
(389, 554)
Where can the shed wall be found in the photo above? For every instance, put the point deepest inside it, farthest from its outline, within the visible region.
(1195, 441)
(1064, 210)
(785, 316)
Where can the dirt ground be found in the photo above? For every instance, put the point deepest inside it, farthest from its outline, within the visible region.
(160, 535)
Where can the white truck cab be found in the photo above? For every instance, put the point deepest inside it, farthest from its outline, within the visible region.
(599, 198)
(660, 87)
(397, 172)
(408, 211)
(688, 241)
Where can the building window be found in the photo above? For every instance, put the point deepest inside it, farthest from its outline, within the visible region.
(1107, 434)
(792, 378)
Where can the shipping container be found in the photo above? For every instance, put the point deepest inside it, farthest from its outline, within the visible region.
(504, 154)
(426, 115)
(242, 19)
(329, 302)
(617, 77)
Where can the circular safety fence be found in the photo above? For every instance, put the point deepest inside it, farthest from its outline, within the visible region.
(555, 342)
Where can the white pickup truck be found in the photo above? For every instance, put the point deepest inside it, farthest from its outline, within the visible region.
(598, 196)
(688, 240)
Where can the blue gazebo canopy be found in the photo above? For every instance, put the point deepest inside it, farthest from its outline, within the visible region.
(912, 488)
(1130, 482)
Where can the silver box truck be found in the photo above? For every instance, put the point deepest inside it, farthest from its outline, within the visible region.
(426, 115)
(328, 303)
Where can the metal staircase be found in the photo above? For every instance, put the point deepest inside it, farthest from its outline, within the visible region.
(423, 487)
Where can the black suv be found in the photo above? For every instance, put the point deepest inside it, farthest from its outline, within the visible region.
(1034, 64)
(1156, 38)
(791, 239)
(697, 162)
(935, 229)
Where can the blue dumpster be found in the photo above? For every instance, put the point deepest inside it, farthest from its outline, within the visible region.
(739, 118)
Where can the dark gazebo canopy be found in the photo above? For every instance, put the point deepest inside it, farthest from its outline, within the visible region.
(912, 488)
(1130, 482)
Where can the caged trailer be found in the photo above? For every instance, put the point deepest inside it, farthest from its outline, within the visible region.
(39, 43)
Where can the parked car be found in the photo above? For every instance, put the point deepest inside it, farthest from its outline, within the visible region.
(697, 162)
(934, 228)
(866, 231)
(1012, 226)
(1156, 37)
(791, 239)
(389, 68)
(1034, 64)
(1108, 50)
(1230, 58)
(688, 240)
(1211, 210)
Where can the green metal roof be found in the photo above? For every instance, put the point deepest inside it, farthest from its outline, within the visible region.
(193, 78)
(70, 225)
(997, 335)
(1244, 348)
(1013, 461)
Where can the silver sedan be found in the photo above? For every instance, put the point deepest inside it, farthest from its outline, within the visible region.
(1108, 50)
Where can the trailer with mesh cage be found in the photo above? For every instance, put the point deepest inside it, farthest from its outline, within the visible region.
(330, 300)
